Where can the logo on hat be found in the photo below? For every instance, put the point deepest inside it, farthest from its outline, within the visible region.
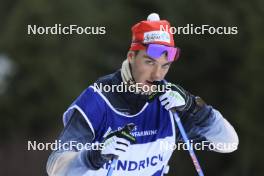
(156, 36)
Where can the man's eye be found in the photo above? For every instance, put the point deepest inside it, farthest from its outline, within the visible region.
(149, 62)
(166, 66)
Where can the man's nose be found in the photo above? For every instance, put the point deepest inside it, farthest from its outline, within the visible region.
(156, 74)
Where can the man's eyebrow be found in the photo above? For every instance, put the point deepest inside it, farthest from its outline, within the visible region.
(147, 57)
(153, 60)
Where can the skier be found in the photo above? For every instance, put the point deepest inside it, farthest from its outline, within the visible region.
(98, 116)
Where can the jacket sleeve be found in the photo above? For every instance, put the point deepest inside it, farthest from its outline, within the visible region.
(72, 160)
(207, 126)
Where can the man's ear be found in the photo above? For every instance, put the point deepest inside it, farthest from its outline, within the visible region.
(130, 56)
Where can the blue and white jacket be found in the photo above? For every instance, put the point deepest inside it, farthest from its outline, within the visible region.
(96, 113)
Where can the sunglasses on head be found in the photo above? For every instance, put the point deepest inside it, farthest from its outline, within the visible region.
(156, 50)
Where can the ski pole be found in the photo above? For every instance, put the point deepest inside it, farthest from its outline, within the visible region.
(112, 166)
(186, 140)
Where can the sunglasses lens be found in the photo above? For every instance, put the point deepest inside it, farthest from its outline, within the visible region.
(171, 53)
(155, 51)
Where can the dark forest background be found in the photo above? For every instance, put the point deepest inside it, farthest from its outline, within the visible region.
(40, 75)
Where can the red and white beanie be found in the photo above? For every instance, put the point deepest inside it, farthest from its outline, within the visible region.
(153, 30)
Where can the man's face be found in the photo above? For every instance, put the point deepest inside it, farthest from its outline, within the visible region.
(145, 70)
